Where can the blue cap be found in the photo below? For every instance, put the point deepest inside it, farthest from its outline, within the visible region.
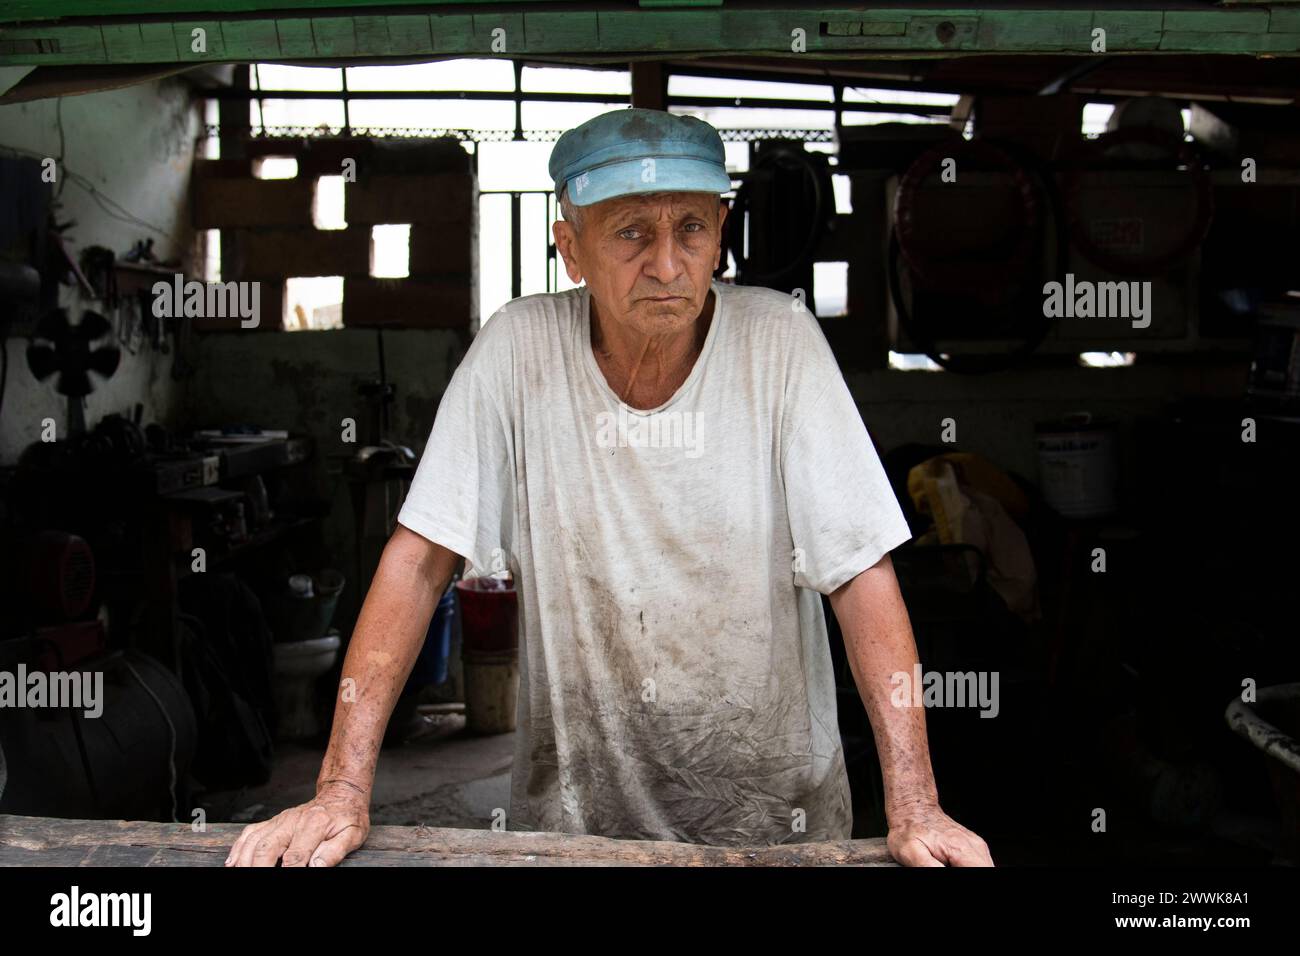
(638, 151)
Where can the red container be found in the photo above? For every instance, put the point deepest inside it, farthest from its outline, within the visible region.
(489, 611)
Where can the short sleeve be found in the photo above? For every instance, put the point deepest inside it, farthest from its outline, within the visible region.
(462, 495)
(844, 516)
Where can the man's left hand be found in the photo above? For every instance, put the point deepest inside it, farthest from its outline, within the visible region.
(926, 836)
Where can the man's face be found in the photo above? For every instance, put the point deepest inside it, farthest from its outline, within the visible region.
(648, 259)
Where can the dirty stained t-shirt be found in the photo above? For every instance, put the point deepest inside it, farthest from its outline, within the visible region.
(676, 680)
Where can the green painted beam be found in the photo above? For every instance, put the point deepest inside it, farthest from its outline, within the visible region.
(17, 10)
(535, 30)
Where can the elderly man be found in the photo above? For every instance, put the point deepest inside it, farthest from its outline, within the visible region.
(674, 471)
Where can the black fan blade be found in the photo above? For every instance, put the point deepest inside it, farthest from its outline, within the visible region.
(42, 361)
(104, 360)
(93, 326)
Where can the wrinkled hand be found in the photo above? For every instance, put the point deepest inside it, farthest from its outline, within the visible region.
(320, 832)
(926, 836)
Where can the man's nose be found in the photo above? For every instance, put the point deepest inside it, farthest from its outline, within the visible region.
(664, 258)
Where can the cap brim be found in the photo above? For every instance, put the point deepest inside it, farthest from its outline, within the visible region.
(667, 174)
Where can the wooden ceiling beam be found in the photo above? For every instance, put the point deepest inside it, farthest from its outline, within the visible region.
(540, 29)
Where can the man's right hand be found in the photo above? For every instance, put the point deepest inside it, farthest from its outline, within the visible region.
(412, 575)
(320, 832)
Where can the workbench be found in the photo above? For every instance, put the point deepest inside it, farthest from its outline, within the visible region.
(44, 841)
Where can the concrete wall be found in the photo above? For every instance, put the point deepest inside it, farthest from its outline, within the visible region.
(308, 382)
(995, 414)
(135, 146)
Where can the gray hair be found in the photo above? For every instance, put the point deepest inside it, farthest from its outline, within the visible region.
(567, 209)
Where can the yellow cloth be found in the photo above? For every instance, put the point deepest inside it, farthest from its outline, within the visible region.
(972, 501)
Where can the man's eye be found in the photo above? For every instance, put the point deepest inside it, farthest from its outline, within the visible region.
(693, 226)
(629, 234)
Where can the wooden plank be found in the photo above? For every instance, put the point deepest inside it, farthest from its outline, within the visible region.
(49, 856)
(621, 33)
(1275, 43)
(1129, 30)
(1038, 30)
(294, 38)
(571, 30)
(455, 34)
(214, 41)
(1284, 21)
(52, 44)
(155, 42)
(288, 38)
(17, 10)
(408, 35)
(371, 32)
(929, 33)
(512, 39)
(35, 841)
(335, 36)
(27, 10)
(72, 80)
(1216, 21)
(120, 855)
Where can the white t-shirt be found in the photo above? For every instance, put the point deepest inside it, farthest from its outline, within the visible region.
(676, 678)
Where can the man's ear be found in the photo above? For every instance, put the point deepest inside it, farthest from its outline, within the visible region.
(566, 241)
(723, 209)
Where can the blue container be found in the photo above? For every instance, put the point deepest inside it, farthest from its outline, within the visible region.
(431, 666)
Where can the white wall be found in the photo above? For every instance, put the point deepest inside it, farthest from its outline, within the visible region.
(135, 146)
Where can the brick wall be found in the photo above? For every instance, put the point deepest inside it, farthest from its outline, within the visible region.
(268, 232)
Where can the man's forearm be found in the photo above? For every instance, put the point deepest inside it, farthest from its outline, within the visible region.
(879, 643)
(411, 578)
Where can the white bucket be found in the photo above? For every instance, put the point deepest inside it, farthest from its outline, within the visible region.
(1078, 465)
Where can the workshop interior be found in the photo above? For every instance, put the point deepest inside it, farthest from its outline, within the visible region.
(1055, 250)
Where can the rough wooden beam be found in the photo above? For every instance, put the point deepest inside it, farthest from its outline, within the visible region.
(42, 841)
(20, 10)
(14, 10)
(649, 85)
(536, 30)
(43, 82)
